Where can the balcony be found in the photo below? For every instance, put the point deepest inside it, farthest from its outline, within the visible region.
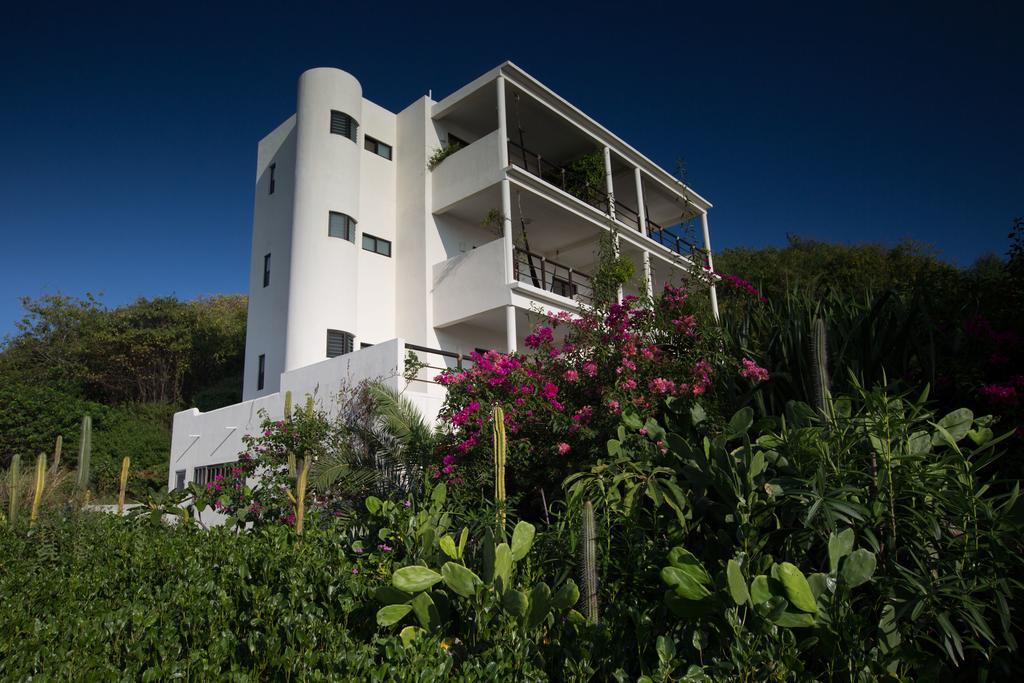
(551, 276)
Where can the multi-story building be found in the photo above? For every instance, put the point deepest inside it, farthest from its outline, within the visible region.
(442, 229)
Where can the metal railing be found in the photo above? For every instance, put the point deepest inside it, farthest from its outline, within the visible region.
(551, 276)
(677, 243)
(462, 361)
(534, 164)
(627, 215)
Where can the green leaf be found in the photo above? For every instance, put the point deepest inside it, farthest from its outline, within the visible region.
(821, 584)
(957, 423)
(503, 566)
(632, 421)
(515, 603)
(919, 443)
(414, 579)
(737, 585)
(798, 591)
(739, 423)
(697, 414)
(460, 579)
(540, 604)
(759, 591)
(463, 537)
(756, 466)
(794, 620)
(567, 596)
(522, 540)
(392, 614)
(487, 550)
(447, 544)
(981, 436)
(683, 559)
(684, 584)
(373, 504)
(839, 546)
(614, 446)
(426, 612)
(438, 495)
(859, 567)
(409, 634)
(666, 648)
(389, 595)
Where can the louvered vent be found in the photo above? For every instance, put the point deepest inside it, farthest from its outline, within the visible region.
(339, 343)
(343, 124)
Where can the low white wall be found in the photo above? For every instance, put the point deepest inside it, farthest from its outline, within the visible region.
(470, 283)
(216, 437)
(467, 171)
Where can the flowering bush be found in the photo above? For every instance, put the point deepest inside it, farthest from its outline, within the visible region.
(563, 397)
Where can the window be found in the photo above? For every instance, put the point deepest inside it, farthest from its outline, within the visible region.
(179, 480)
(364, 345)
(376, 245)
(345, 125)
(261, 372)
(204, 474)
(339, 343)
(341, 225)
(266, 270)
(377, 147)
(272, 168)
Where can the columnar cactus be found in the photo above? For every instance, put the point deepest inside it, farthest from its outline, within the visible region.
(300, 503)
(57, 447)
(588, 563)
(37, 497)
(125, 464)
(84, 454)
(500, 452)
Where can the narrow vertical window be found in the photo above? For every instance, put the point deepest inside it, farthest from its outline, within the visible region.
(262, 372)
(266, 270)
(272, 168)
(341, 225)
(179, 480)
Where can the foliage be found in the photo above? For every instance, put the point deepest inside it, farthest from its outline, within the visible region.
(441, 154)
(585, 178)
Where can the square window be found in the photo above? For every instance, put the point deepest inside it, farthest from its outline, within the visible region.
(344, 125)
(339, 343)
(376, 245)
(377, 147)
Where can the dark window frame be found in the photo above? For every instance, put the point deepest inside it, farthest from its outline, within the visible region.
(376, 244)
(342, 343)
(180, 480)
(563, 287)
(204, 474)
(371, 144)
(348, 228)
(272, 168)
(344, 125)
(261, 372)
(266, 269)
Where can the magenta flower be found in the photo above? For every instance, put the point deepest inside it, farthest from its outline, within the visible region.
(753, 371)
(563, 448)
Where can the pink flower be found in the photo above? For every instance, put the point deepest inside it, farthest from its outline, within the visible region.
(753, 371)
(660, 385)
(542, 335)
(549, 390)
(571, 375)
(563, 448)
(590, 369)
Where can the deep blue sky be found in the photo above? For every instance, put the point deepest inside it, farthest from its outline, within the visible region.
(130, 134)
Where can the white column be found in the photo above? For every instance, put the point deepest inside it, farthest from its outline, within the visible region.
(506, 229)
(641, 214)
(711, 263)
(609, 185)
(502, 125)
(510, 328)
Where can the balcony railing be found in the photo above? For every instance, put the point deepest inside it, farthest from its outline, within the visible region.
(676, 243)
(551, 276)
(431, 371)
(534, 164)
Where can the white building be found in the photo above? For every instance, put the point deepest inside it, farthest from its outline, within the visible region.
(364, 246)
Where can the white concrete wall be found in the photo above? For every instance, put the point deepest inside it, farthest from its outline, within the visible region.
(469, 284)
(466, 172)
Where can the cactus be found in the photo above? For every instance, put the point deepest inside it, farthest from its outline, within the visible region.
(291, 465)
(125, 464)
(84, 454)
(57, 447)
(500, 452)
(588, 563)
(309, 405)
(300, 504)
(37, 497)
(12, 487)
(819, 365)
(287, 406)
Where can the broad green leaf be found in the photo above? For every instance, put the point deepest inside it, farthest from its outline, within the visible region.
(737, 585)
(684, 584)
(839, 546)
(487, 550)
(463, 537)
(389, 595)
(426, 612)
(392, 614)
(460, 579)
(759, 591)
(447, 544)
(373, 504)
(566, 596)
(522, 540)
(859, 567)
(798, 592)
(540, 604)
(632, 421)
(614, 446)
(957, 423)
(794, 620)
(739, 423)
(438, 495)
(919, 443)
(409, 634)
(697, 414)
(756, 466)
(680, 558)
(980, 436)
(821, 584)
(503, 565)
(414, 579)
(515, 603)
(666, 648)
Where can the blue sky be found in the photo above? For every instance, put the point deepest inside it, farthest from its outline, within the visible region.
(131, 134)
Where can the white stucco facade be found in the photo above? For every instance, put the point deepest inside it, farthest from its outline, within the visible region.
(454, 256)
